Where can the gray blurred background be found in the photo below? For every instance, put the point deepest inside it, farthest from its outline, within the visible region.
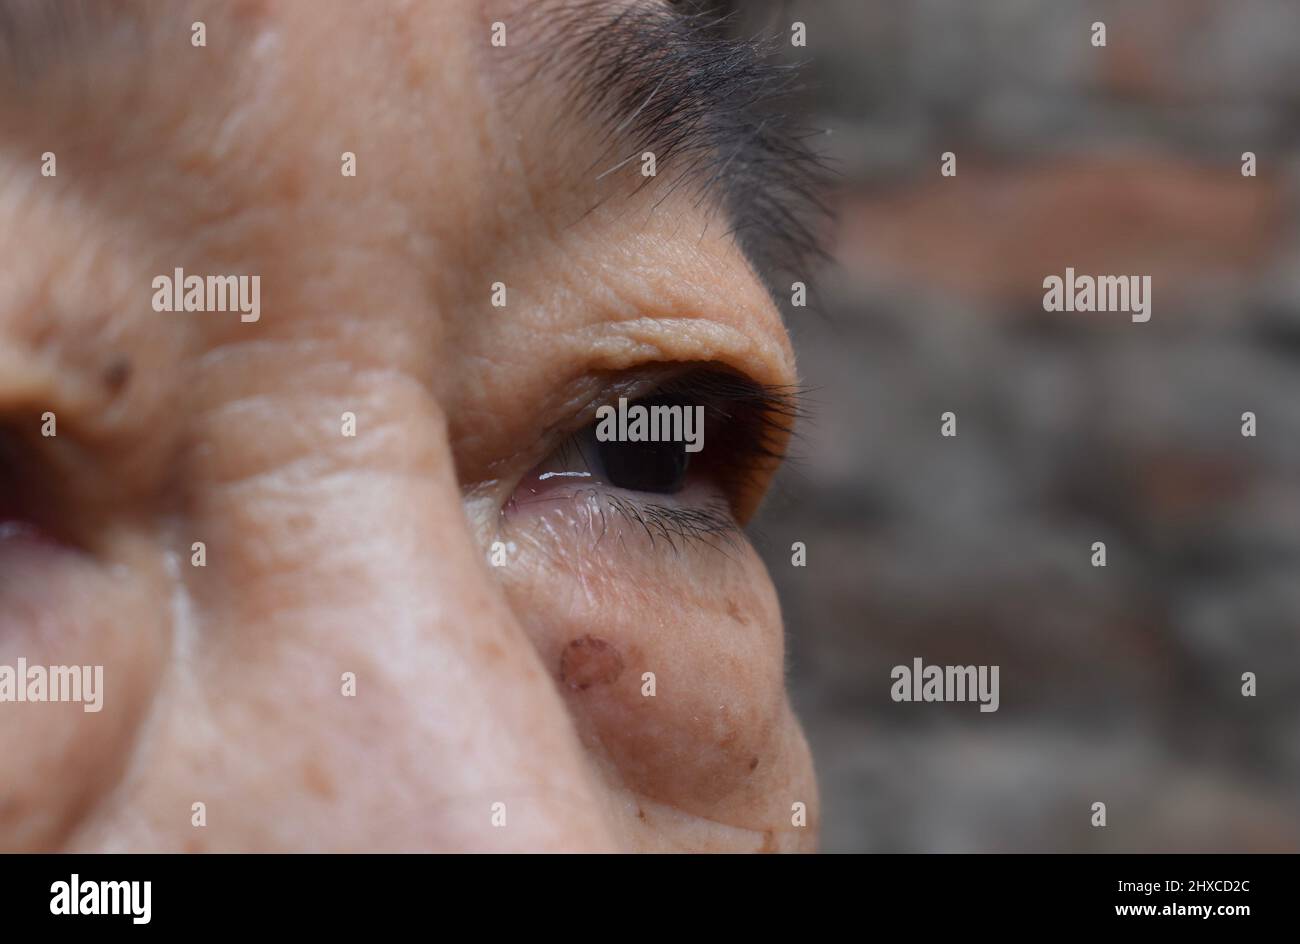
(1119, 684)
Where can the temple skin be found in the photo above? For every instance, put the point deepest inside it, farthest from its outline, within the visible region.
(327, 554)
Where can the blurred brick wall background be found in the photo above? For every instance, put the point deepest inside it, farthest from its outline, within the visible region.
(1119, 684)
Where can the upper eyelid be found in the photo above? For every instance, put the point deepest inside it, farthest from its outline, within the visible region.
(706, 381)
(759, 417)
(634, 383)
(780, 407)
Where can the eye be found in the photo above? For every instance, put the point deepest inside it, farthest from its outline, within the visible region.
(29, 488)
(14, 511)
(657, 466)
(708, 442)
(645, 466)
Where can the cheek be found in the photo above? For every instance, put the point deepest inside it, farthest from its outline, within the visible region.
(60, 608)
(671, 662)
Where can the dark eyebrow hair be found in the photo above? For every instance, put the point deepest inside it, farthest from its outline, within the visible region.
(669, 79)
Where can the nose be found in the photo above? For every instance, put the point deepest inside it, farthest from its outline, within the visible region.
(344, 673)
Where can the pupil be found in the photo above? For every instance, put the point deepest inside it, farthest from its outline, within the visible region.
(645, 466)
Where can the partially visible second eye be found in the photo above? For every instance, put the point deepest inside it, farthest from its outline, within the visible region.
(15, 512)
(28, 510)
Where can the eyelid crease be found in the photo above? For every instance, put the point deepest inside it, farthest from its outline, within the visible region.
(708, 382)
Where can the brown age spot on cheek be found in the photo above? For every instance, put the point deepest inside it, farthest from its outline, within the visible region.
(589, 660)
(720, 701)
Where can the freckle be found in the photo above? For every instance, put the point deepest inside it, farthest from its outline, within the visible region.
(251, 9)
(317, 781)
(753, 764)
(731, 731)
(640, 814)
(291, 186)
(117, 374)
(417, 76)
(769, 842)
(734, 611)
(493, 651)
(194, 845)
(588, 661)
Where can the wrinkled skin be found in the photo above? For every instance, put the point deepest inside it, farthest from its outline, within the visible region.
(328, 554)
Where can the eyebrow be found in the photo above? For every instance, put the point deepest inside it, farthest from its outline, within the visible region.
(669, 79)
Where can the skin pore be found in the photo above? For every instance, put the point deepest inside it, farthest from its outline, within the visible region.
(325, 554)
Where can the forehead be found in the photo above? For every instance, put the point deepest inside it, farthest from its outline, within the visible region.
(226, 157)
(605, 81)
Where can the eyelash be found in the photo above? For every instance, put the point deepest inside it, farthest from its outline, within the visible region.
(754, 422)
(713, 526)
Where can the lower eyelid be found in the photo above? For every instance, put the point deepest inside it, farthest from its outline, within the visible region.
(699, 516)
(697, 490)
(539, 485)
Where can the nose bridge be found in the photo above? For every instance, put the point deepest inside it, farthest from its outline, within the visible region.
(379, 670)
